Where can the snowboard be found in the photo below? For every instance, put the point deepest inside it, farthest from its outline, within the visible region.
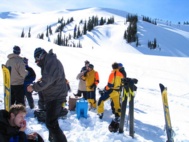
(7, 86)
(168, 125)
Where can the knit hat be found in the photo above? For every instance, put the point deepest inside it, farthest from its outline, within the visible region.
(91, 66)
(16, 50)
(87, 62)
(120, 64)
(115, 65)
(38, 53)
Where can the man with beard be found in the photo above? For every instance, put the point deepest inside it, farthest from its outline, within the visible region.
(13, 125)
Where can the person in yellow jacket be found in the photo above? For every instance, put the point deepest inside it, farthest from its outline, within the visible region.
(91, 78)
(112, 91)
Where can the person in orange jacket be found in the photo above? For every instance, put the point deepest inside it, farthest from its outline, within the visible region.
(91, 78)
(112, 91)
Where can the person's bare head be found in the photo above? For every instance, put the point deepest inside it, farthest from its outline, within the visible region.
(17, 114)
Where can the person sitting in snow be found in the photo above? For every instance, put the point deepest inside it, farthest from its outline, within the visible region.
(13, 125)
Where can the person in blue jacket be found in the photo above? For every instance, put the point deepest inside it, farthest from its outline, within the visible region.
(29, 80)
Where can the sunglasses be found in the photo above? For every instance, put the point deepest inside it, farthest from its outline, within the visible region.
(38, 58)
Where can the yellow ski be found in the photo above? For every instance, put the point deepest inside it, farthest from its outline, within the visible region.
(168, 125)
(7, 87)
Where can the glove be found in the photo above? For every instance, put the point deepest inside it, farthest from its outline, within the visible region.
(92, 86)
(85, 74)
(105, 88)
(101, 92)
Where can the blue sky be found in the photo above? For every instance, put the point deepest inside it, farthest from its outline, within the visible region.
(171, 10)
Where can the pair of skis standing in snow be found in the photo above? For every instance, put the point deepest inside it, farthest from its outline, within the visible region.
(127, 95)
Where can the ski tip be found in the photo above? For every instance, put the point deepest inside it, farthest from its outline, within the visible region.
(161, 87)
(160, 84)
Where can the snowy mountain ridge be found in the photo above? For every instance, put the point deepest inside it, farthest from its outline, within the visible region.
(163, 32)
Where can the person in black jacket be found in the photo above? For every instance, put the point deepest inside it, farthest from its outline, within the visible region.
(13, 125)
(54, 89)
(28, 80)
(122, 70)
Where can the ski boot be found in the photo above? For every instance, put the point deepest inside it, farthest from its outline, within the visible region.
(63, 113)
(100, 115)
(114, 125)
(40, 115)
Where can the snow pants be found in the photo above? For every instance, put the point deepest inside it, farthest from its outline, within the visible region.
(115, 97)
(29, 96)
(91, 98)
(17, 94)
(79, 93)
(53, 109)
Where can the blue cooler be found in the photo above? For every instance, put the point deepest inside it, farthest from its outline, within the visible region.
(81, 108)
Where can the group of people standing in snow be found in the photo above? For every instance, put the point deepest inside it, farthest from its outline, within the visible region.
(53, 88)
(88, 81)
